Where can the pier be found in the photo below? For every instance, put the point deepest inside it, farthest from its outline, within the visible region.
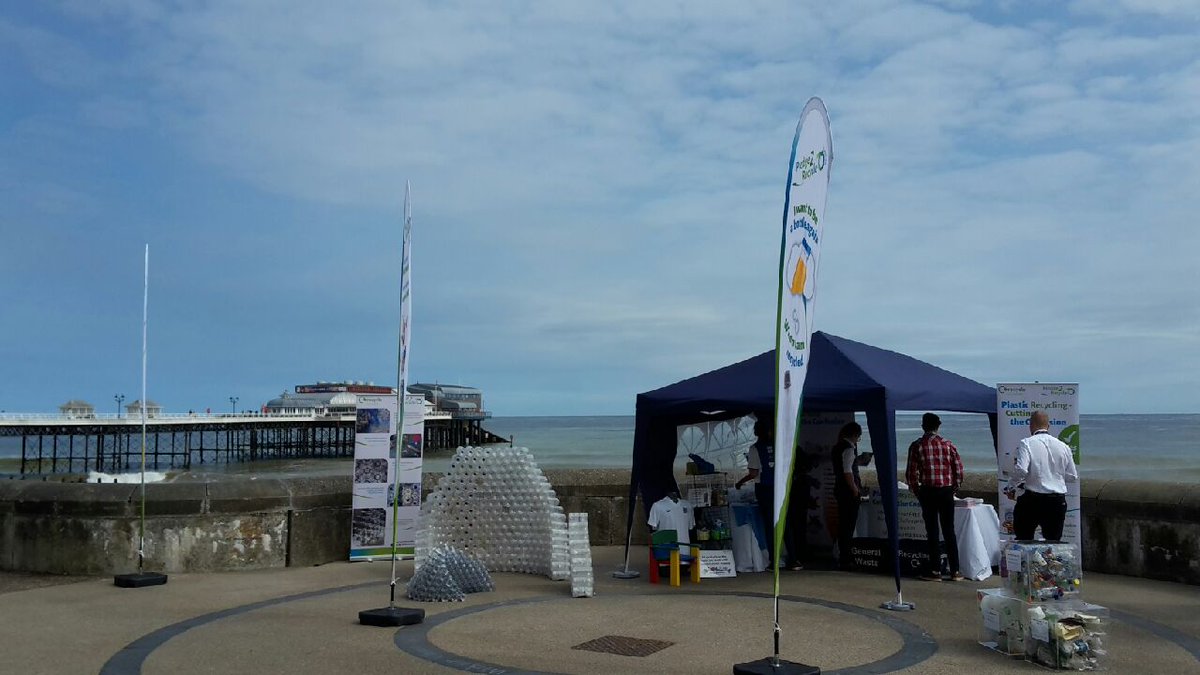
(111, 443)
(54, 444)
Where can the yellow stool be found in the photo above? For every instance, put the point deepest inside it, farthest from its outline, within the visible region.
(664, 550)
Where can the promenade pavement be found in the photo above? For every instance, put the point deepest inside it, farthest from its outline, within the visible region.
(304, 620)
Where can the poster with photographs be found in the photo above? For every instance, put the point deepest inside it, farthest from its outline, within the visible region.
(387, 476)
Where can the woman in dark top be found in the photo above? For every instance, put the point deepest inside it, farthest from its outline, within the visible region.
(847, 486)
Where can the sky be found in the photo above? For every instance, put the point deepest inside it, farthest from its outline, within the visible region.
(597, 193)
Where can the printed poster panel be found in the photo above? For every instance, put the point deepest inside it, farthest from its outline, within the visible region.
(800, 252)
(1014, 404)
(813, 479)
(387, 476)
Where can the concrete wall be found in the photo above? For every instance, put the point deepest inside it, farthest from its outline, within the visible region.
(1135, 528)
(82, 528)
(1140, 529)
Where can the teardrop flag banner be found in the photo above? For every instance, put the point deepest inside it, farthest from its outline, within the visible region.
(799, 255)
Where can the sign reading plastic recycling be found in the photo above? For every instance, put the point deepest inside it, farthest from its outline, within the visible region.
(387, 477)
(1015, 403)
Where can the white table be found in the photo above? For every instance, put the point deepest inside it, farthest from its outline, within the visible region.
(977, 529)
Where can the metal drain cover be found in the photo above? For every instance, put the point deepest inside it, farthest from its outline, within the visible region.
(623, 646)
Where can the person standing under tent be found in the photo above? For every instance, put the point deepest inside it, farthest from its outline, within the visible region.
(761, 469)
(1044, 465)
(934, 473)
(847, 487)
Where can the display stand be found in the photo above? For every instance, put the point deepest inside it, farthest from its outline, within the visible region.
(714, 524)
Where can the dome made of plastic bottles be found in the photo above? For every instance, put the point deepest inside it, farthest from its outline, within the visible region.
(496, 506)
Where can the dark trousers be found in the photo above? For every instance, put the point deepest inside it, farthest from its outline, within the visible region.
(795, 533)
(937, 506)
(1034, 509)
(847, 518)
(765, 494)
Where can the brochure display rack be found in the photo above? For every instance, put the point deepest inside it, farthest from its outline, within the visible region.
(714, 522)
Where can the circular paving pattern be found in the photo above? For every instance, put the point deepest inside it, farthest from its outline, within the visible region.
(718, 629)
(713, 631)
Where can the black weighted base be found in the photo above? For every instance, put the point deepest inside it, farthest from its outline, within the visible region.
(391, 616)
(139, 580)
(768, 667)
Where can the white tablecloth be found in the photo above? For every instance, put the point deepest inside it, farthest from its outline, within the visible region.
(977, 528)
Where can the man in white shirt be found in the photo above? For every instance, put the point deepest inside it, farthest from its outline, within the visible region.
(673, 513)
(1044, 465)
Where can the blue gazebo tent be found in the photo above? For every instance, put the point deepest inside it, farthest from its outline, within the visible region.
(843, 376)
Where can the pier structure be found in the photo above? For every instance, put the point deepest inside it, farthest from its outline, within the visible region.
(454, 416)
(56, 444)
(317, 421)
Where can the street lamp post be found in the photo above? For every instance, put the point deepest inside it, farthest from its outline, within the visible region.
(233, 404)
(119, 398)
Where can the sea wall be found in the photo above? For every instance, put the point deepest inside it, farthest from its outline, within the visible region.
(1139, 529)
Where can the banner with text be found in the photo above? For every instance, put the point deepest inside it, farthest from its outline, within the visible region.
(1014, 404)
(799, 255)
(387, 476)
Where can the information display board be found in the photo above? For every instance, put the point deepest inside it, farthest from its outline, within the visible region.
(387, 476)
(1014, 404)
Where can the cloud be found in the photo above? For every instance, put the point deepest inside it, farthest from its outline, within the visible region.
(597, 190)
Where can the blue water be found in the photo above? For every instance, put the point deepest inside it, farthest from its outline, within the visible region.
(1146, 447)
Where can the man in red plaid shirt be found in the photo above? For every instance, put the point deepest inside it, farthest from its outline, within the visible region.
(934, 473)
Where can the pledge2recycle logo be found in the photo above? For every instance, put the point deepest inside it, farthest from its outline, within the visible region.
(800, 269)
(807, 166)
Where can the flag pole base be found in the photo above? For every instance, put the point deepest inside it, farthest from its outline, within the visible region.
(899, 604)
(391, 616)
(774, 666)
(139, 580)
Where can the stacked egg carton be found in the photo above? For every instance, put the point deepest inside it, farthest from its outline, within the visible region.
(583, 583)
(496, 505)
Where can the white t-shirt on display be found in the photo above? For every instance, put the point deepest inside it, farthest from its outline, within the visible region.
(668, 514)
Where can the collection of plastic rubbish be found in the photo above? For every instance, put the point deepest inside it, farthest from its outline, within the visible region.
(1038, 613)
(494, 511)
(447, 576)
(583, 583)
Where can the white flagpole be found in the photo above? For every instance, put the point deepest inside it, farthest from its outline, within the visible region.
(141, 578)
(145, 323)
(401, 374)
(392, 615)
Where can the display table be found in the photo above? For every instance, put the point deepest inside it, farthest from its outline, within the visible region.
(977, 529)
(749, 538)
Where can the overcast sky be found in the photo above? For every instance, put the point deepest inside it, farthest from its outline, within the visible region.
(597, 194)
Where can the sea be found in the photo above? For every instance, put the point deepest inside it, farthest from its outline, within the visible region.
(1163, 447)
(1144, 447)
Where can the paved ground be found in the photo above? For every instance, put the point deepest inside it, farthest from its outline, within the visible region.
(305, 621)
